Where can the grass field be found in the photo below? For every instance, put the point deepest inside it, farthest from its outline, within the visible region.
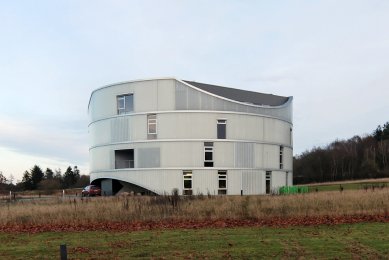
(25, 239)
(366, 241)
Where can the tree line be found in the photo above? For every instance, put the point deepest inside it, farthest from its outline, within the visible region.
(355, 158)
(37, 179)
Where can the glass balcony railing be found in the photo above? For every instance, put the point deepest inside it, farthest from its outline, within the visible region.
(123, 164)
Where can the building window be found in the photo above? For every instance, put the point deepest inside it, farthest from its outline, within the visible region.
(125, 103)
(221, 129)
(208, 154)
(281, 157)
(291, 136)
(124, 159)
(222, 180)
(151, 126)
(187, 183)
(268, 181)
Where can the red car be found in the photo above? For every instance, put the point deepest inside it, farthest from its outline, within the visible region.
(91, 190)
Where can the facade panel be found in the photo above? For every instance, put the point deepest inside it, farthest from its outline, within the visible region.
(252, 182)
(182, 154)
(224, 154)
(244, 155)
(203, 180)
(278, 180)
(166, 95)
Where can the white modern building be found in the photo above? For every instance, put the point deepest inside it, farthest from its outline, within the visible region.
(154, 136)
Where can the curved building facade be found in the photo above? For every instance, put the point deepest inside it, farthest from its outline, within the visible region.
(154, 136)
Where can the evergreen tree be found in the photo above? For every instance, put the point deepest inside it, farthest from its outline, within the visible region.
(378, 133)
(49, 174)
(70, 177)
(36, 176)
(382, 133)
(385, 131)
(76, 172)
(27, 181)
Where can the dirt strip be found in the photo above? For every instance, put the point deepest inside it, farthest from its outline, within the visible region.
(192, 224)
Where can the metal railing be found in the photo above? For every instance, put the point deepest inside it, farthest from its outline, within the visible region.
(123, 164)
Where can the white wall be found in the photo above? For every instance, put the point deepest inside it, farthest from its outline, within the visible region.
(192, 125)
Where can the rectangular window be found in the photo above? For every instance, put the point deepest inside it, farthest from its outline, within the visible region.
(281, 157)
(124, 159)
(221, 129)
(208, 154)
(187, 183)
(268, 182)
(222, 180)
(151, 126)
(125, 103)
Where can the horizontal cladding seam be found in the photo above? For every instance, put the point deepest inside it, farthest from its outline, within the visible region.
(190, 140)
(192, 169)
(188, 111)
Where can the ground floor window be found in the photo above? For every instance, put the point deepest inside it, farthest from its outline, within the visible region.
(187, 176)
(222, 182)
(268, 182)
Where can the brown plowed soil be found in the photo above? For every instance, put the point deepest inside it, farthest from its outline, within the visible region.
(193, 224)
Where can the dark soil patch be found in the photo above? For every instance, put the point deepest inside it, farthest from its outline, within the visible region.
(193, 224)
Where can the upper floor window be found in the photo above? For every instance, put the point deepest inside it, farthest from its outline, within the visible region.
(268, 182)
(208, 154)
(151, 126)
(124, 158)
(221, 129)
(125, 103)
(281, 157)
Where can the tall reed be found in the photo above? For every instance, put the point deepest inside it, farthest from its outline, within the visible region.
(137, 208)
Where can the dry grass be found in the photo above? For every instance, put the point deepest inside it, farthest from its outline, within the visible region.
(119, 209)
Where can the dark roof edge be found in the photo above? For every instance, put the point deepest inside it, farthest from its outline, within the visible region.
(243, 96)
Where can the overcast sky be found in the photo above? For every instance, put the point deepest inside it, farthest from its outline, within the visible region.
(331, 56)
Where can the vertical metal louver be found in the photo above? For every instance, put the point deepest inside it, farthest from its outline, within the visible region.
(251, 182)
(149, 157)
(119, 129)
(244, 155)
